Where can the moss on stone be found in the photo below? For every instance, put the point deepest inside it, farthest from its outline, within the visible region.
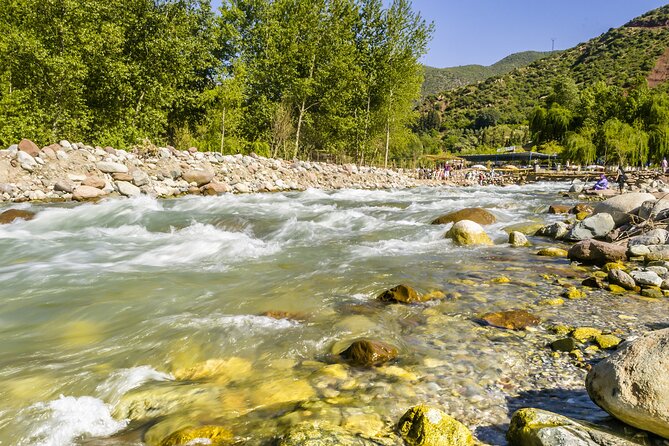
(552, 252)
(426, 426)
(584, 334)
(216, 435)
(607, 341)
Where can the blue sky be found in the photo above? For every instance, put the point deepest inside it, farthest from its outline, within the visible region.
(484, 31)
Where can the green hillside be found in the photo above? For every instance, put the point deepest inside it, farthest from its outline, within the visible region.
(621, 57)
(442, 79)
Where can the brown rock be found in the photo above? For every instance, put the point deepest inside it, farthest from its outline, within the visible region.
(512, 320)
(63, 186)
(558, 209)
(215, 189)
(276, 314)
(622, 279)
(581, 207)
(95, 182)
(29, 147)
(122, 177)
(594, 251)
(12, 214)
(400, 294)
(368, 353)
(199, 177)
(50, 151)
(477, 215)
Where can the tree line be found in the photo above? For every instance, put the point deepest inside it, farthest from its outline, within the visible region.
(604, 123)
(336, 79)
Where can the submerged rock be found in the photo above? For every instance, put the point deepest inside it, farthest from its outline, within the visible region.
(322, 434)
(369, 353)
(477, 215)
(466, 232)
(211, 435)
(633, 384)
(552, 252)
(427, 426)
(536, 427)
(511, 320)
(10, 215)
(400, 294)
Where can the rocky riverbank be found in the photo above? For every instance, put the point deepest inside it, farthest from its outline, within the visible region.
(75, 171)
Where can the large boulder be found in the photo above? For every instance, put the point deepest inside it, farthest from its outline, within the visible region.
(622, 206)
(597, 252)
(467, 232)
(653, 237)
(536, 427)
(10, 215)
(369, 353)
(427, 426)
(478, 215)
(633, 383)
(655, 210)
(198, 176)
(592, 227)
(26, 161)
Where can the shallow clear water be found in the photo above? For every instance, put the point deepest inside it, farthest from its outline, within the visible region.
(104, 304)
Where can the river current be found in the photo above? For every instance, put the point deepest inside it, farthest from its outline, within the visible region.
(112, 313)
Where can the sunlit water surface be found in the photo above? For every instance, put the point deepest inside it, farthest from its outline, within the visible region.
(103, 304)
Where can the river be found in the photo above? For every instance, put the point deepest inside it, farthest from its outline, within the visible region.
(110, 312)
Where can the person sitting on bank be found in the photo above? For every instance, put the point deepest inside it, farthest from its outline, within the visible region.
(602, 184)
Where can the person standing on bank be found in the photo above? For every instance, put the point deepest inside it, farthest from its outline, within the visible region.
(664, 165)
(621, 179)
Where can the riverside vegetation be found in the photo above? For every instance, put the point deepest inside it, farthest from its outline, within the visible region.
(117, 73)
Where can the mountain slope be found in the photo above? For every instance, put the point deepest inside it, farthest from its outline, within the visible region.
(442, 79)
(620, 57)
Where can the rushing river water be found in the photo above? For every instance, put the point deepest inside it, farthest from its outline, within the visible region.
(126, 320)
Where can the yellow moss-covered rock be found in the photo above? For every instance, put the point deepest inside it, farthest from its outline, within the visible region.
(281, 391)
(584, 334)
(552, 252)
(555, 302)
(502, 279)
(582, 215)
(561, 330)
(211, 435)
(223, 370)
(426, 426)
(607, 341)
(467, 233)
(574, 293)
(616, 289)
(337, 371)
(613, 265)
(527, 228)
(397, 372)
